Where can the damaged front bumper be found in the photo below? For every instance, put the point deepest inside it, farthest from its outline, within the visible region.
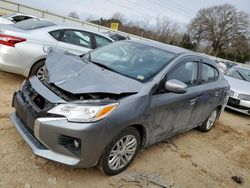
(76, 144)
(38, 148)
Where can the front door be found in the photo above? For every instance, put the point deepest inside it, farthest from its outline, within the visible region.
(169, 113)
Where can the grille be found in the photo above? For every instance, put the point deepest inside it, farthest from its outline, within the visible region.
(34, 99)
(238, 106)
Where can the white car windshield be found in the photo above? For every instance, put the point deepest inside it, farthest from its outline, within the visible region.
(239, 73)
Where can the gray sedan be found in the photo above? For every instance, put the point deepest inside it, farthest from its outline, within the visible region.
(102, 108)
(23, 45)
(239, 81)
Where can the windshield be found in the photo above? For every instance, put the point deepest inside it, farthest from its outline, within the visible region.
(137, 61)
(33, 24)
(239, 73)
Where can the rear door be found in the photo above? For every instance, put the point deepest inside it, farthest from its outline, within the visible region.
(210, 90)
(169, 112)
(76, 41)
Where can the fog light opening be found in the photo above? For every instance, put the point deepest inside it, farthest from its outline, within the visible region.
(76, 144)
(72, 144)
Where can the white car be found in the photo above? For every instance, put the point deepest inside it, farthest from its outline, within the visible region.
(23, 45)
(239, 96)
(14, 18)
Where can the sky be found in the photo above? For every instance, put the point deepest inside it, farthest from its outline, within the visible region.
(180, 11)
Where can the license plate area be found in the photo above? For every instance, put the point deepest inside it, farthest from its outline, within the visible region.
(25, 113)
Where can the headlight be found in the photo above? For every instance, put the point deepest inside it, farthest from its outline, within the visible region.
(244, 97)
(83, 112)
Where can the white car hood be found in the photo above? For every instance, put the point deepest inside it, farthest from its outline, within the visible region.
(5, 21)
(238, 86)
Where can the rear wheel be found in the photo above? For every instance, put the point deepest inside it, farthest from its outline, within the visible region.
(38, 70)
(118, 155)
(209, 122)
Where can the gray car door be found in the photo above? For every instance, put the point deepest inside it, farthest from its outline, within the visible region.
(169, 113)
(208, 101)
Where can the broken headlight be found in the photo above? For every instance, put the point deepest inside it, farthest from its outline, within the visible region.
(82, 112)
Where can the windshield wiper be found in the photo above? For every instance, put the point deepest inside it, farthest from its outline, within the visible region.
(241, 75)
(104, 66)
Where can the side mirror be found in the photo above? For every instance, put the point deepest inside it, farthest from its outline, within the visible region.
(175, 86)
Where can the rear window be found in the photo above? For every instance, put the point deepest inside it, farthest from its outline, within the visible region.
(33, 24)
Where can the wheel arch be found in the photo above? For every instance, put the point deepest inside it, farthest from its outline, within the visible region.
(143, 133)
(37, 61)
(220, 107)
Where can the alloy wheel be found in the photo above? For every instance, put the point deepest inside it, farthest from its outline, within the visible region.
(122, 152)
(40, 73)
(211, 119)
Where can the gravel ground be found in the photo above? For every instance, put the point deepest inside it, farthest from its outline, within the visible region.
(192, 159)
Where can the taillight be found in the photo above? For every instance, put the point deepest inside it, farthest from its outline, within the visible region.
(10, 40)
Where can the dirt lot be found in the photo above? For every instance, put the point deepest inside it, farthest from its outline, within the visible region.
(192, 159)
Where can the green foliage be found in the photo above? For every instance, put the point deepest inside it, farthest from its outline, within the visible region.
(186, 42)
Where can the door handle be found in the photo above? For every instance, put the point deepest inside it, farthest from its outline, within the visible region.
(193, 101)
(216, 94)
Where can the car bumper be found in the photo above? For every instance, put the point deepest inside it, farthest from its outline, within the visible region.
(53, 137)
(236, 104)
(38, 148)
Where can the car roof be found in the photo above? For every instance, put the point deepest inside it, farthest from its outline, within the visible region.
(167, 47)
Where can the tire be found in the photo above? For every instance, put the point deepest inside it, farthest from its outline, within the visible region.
(209, 122)
(116, 152)
(38, 70)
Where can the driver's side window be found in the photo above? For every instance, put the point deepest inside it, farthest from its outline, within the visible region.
(186, 72)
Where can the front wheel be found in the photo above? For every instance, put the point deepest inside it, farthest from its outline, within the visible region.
(118, 155)
(209, 122)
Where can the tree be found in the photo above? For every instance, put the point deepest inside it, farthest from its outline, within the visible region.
(237, 50)
(74, 15)
(119, 16)
(218, 25)
(166, 31)
(186, 42)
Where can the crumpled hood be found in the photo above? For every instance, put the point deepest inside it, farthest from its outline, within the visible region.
(71, 74)
(239, 86)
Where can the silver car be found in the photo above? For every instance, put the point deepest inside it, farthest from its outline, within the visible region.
(102, 108)
(239, 81)
(23, 46)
